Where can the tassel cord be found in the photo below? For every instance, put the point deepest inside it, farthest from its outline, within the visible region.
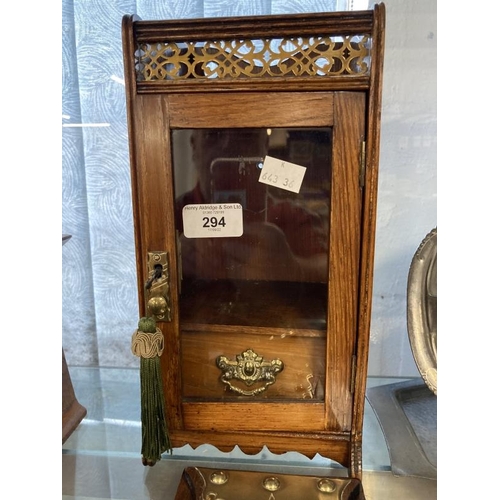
(155, 440)
(148, 345)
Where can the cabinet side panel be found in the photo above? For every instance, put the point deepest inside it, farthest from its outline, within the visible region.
(369, 216)
(130, 93)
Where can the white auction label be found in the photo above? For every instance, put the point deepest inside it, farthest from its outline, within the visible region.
(282, 174)
(215, 220)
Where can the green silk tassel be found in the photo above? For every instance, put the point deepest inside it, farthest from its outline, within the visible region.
(147, 342)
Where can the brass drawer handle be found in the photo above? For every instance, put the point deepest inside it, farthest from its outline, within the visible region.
(249, 368)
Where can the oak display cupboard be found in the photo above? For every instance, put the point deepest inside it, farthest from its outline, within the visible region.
(254, 145)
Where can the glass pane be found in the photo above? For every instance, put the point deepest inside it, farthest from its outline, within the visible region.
(254, 256)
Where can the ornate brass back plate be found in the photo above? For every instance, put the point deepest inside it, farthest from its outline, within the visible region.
(249, 368)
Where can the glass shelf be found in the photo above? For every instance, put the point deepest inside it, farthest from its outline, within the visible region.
(102, 460)
(112, 425)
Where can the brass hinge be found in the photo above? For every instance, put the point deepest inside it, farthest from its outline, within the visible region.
(353, 372)
(362, 164)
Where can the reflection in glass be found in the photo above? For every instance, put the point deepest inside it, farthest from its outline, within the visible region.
(275, 274)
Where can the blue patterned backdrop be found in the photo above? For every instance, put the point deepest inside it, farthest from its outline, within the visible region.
(100, 304)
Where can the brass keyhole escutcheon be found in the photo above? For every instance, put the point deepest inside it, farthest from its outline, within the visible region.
(157, 287)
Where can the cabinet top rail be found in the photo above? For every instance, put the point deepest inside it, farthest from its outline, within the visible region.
(251, 50)
(325, 23)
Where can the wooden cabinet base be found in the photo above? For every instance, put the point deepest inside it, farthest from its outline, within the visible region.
(197, 482)
(337, 447)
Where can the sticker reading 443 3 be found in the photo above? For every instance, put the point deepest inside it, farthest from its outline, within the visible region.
(215, 220)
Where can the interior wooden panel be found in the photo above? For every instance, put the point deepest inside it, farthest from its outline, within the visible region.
(255, 307)
(302, 377)
(263, 253)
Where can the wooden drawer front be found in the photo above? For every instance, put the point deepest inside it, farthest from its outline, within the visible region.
(301, 377)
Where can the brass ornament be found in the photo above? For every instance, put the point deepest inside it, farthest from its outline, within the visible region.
(326, 486)
(266, 486)
(312, 56)
(157, 288)
(249, 368)
(219, 477)
(271, 483)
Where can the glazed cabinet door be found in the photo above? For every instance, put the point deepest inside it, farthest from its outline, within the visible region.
(256, 201)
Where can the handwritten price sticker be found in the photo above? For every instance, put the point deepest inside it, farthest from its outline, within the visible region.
(282, 174)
